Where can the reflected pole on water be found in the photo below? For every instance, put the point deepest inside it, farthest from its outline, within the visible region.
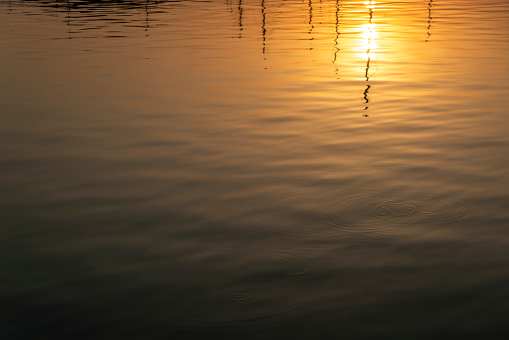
(336, 44)
(69, 17)
(147, 25)
(310, 22)
(370, 36)
(229, 5)
(241, 10)
(264, 31)
(429, 20)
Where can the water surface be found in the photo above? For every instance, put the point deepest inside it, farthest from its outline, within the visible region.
(254, 169)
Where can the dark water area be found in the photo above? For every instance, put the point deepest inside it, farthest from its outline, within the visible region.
(254, 169)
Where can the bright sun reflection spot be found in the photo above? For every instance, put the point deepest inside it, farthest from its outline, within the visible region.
(369, 4)
(369, 35)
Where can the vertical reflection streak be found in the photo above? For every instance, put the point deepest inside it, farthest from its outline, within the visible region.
(370, 36)
(241, 10)
(264, 31)
(146, 18)
(429, 20)
(336, 45)
(366, 99)
(366, 75)
(310, 22)
(69, 17)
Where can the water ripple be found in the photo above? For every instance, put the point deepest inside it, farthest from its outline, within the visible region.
(357, 207)
(315, 210)
(260, 288)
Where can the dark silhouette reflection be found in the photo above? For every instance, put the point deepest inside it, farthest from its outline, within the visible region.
(102, 15)
(366, 98)
(310, 22)
(69, 18)
(370, 36)
(241, 11)
(229, 5)
(264, 30)
(147, 25)
(91, 3)
(336, 39)
(429, 20)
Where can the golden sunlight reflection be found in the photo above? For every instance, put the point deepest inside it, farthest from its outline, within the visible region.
(369, 4)
(369, 32)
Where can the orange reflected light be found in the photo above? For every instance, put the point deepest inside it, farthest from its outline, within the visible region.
(369, 4)
(369, 38)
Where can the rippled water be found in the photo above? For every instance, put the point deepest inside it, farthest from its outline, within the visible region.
(254, 169)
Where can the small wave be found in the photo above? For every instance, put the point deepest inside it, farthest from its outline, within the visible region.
(316, 210)
(421, 208)
(251, 288)
(241, 297)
